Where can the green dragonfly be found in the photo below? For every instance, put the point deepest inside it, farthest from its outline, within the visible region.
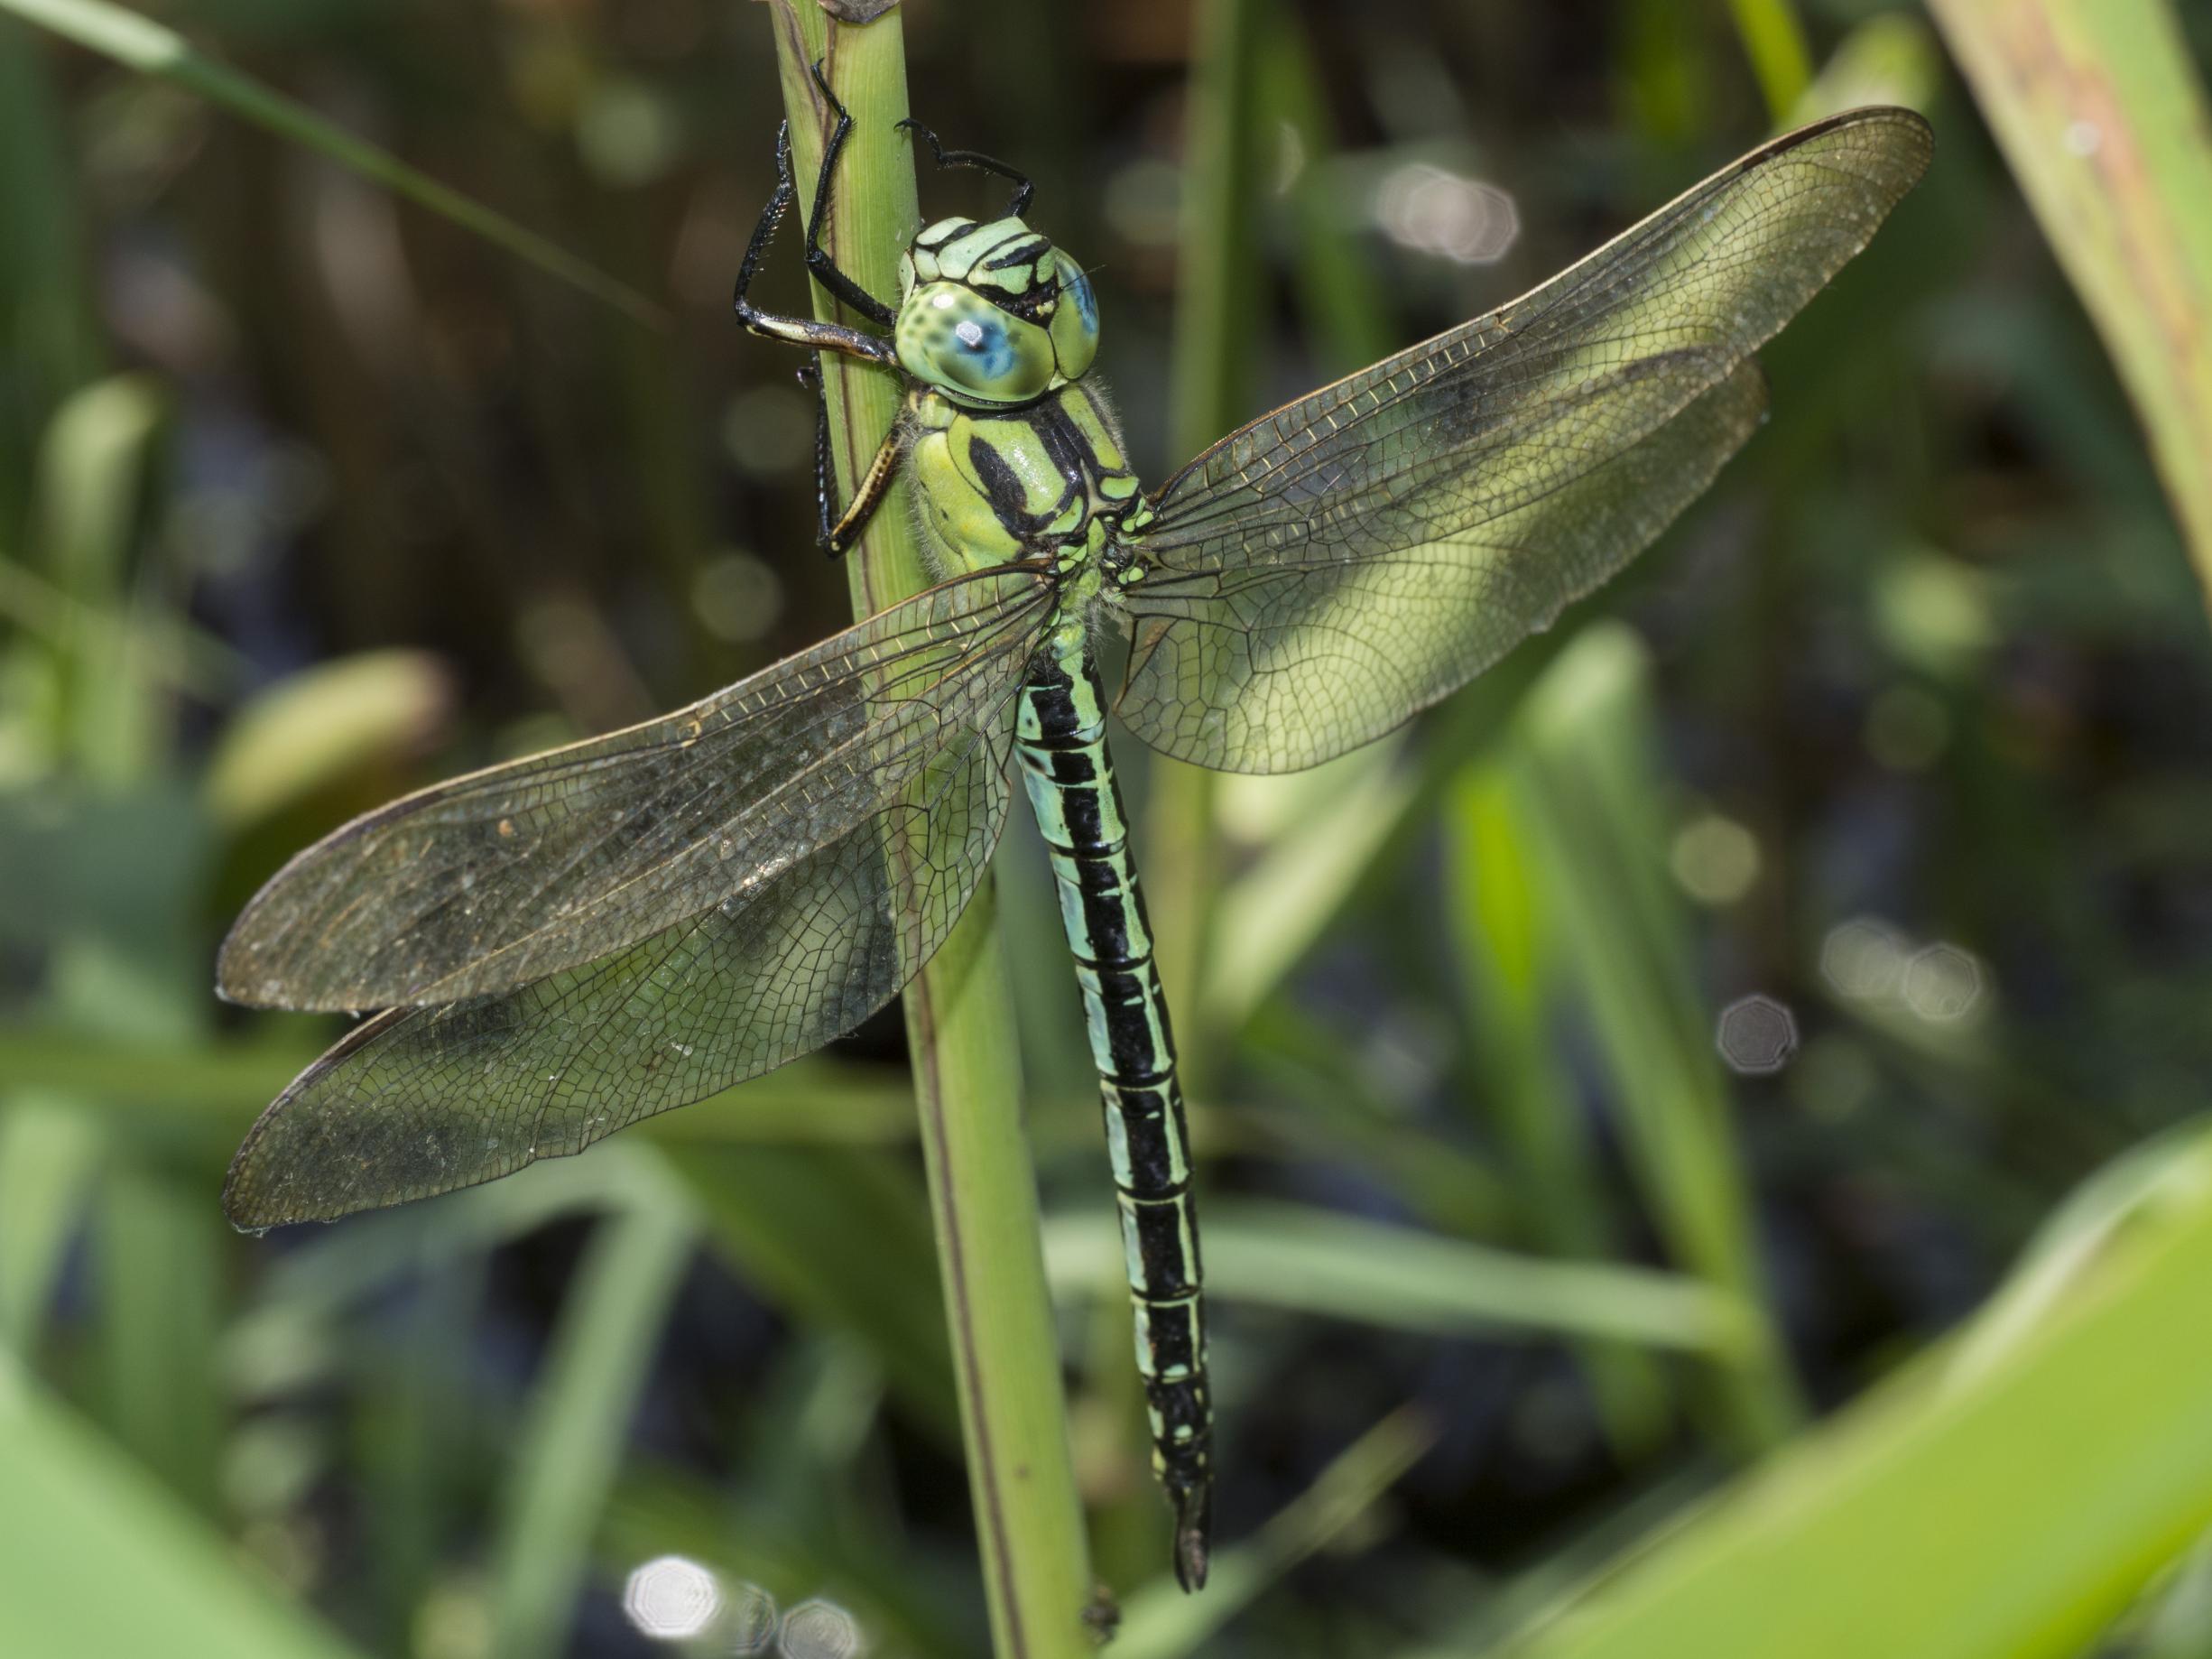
(570, 942)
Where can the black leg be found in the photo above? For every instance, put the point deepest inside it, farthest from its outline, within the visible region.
(819, 261)
(796, 330)
(835, 533)
(825, 471)
(1022, 189)
(867, 494)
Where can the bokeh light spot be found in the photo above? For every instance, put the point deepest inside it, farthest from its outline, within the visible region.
(1435, 212)
(1943, 983)
(1757, 1036)
(1716, 859)
(819, 1630)
(738, 595)
(671, 1598)
(1863, 959)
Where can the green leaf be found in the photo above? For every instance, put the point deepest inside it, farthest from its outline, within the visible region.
(2005, 1511)
(2106, 125)
(96, 1558)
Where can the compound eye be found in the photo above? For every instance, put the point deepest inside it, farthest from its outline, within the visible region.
(1075, 319)
(961, 343)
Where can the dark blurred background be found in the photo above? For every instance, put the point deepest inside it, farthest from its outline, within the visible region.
(1778, 943)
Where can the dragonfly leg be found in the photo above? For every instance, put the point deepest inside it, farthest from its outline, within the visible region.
(1022, 189)
(796, 330)
(819, 261)
(834, 532)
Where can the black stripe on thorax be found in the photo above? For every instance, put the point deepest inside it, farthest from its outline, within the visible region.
(1064, 443)
(1002, 487)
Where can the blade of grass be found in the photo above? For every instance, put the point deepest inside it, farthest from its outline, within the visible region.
(96, 1558)
(218, 1089)
(1159, 1623)
(2106, 125)
(1890, 59)
(159, 1245)
(1318, 1262)
(572, 1440)
(1503, 939)
(1775, 41)
(95, 460)
(959, 1027)
(2012, 1517)
(140, 43)
(1580, 765)
(47, 333)
(1286, 902)
(841, 1240)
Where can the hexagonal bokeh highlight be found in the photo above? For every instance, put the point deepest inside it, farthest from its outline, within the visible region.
(1942, 983)
(820, 1629)
(1864, 958)
(671, 1598)
(1757, 1036)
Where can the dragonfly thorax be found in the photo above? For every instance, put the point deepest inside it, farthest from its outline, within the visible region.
(993, 315)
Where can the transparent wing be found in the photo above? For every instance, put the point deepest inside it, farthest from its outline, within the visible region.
(423, 1101)
(1318, 576)
(505, 876)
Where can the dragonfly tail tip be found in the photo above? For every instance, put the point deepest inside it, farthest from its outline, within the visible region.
(1193, 1540)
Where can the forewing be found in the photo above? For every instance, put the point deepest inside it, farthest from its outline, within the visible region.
(1319, 576)
(504, 877)
(423, 1101)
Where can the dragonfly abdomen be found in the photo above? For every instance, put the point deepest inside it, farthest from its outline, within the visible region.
(1070, 778)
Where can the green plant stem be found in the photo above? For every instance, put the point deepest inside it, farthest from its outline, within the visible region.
(959, 1010)
(140, 43)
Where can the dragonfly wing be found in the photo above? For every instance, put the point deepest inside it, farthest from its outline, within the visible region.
(423, 1101)
(1319, 576)
(504, 877)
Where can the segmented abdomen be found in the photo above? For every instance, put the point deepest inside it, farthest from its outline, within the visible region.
(1070, 777)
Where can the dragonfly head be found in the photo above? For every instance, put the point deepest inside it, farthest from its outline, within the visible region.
(993, 315)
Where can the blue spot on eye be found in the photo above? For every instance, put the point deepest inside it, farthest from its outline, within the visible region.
(986, 342)
(1077, 288)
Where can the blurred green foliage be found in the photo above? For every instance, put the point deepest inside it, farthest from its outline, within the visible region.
(309, 494)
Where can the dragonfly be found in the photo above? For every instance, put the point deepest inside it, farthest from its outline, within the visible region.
(567, 943)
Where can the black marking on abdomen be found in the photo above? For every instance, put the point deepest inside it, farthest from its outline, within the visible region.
(1070, 781)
